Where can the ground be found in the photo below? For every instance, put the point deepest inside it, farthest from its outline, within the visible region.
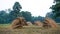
(5, 29)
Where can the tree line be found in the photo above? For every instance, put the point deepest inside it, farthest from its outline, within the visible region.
(16, 12)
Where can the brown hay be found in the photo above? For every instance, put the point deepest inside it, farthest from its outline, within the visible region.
(38, 23)
(16, 24)
(19, 22)
(50, 22)
(29, 23)
(23, 21)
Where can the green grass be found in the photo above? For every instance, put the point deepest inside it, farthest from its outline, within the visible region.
(4, 29)
(4, 25)
(24, 27)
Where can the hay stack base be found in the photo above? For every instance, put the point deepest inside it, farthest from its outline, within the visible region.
(50, 23)
(19, 23)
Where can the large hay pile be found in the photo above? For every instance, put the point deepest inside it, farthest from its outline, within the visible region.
(50, 23)
(19, 22)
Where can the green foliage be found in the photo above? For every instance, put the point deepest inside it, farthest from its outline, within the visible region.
(56, 8)
(50, 15)
(13, 14)
(27, 15)
(56, 0)
(9, 17)
(38, 18)
(16, 8)
(3, 17)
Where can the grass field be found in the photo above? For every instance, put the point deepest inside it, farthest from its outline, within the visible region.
(4, 29)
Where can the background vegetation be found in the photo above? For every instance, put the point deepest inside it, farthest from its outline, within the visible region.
(16, 12)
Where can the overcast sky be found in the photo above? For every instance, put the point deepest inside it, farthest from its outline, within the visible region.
(36, 7)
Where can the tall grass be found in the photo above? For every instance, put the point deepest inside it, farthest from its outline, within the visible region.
(28, 30)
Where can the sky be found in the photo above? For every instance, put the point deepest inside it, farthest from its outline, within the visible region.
(36, 7)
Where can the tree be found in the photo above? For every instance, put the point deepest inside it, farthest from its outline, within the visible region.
(50, 14)
(56, 0)
(16, 8)
(39, 18)
(27, 15)
(56, 8)
(15, 12)
(3, 17)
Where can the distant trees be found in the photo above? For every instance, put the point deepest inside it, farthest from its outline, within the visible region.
(16, 12)
(56, 8)
(50, 15)
(3, 17)
(16, 9)
(27, 15)
(9, 17)
(39, 18)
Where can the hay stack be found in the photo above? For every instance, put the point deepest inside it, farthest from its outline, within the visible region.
(38, 23)
(19, 22)
(29, 23)
(23, 21)
(50, 22)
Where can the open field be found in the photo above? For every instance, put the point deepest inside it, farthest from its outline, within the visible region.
(4, 29)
